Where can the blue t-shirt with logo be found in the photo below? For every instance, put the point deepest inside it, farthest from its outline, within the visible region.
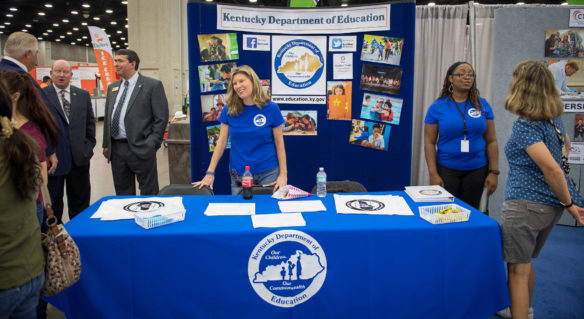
(444, 112)
(252, 140)
(526, 180)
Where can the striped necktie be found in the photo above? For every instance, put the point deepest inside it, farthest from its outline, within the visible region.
(115, 130)
(66, 104)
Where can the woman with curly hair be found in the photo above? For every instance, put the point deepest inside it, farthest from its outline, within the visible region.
(459, 138)
(21, 254)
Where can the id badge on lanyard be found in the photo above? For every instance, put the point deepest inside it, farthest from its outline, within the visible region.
(464, 143)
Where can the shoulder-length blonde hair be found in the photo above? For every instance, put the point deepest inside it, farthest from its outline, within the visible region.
(234, 102)
(533, 94)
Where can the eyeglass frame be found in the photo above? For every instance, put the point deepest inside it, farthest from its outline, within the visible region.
(465, 75)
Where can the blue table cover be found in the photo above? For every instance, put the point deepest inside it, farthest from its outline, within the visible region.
(377, 266)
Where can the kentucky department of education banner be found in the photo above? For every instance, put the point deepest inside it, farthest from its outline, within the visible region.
(304, 21)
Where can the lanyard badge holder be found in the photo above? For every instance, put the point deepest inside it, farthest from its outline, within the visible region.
(464, 143)
(565, 165)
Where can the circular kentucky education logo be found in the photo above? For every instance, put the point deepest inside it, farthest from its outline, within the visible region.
(287, 268)
(259, 120)
(472, 112)
(369, 205)
(299, 64)
(430, 192)
(143, 206)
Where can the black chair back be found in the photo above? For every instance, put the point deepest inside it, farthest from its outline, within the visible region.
(343, 187)
(184, 189)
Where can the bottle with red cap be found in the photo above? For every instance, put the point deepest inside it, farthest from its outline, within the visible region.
(247, 184)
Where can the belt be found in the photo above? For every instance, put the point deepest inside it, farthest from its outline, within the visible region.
(121, 140)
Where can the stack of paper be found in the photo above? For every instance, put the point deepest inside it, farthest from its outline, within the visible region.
(433, 193)
(230, 209)
(372, 205)
(126, 208)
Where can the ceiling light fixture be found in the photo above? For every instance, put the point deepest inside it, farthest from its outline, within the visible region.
(9, 15)
(41, 13)
(74, 12)
(431, 4)
(13, 9)
(65, 20)
(48, 5)
(55, 24)
(110, 11)
(113, 23)
(96, 18)
(84, 23)
(86, 5)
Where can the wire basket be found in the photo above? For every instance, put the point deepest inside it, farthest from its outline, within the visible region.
(153, 219)
(433, 214)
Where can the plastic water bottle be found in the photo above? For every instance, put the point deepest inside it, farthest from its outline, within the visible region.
(247, 184)
(321, 183)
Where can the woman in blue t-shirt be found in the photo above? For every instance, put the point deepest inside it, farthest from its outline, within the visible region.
(254, 124)
(459, 138)
(538, 188)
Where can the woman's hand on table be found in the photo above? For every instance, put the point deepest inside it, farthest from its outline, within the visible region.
(281, 181)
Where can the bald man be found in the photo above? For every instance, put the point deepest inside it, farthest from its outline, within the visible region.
(75, 103)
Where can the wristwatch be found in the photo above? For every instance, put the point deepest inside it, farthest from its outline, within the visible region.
(568, 205)
(494, 171)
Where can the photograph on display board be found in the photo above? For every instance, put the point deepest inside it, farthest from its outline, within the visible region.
(339, 95)
(218, 47)
(569, 78)
(297, 122)
(578, 128)
(381, 108)
(215, 77)
(211, 106)
(381, 49)
(369, 134)
(381, 79)
(213, 137)
(267, 87)
(565, 43)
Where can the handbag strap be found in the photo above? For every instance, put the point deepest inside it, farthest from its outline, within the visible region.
(52, 220)
(565, 165)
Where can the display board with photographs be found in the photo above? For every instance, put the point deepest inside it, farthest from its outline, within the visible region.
(381, 49)
(370, 134)
(339, 96)
(299, 122)
(381, 108)
(215, 77)
(218, 47)
(382, 79)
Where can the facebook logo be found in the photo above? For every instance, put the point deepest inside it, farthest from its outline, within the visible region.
(252, 43)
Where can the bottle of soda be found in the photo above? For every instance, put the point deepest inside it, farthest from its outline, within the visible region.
(321, 183)
(247, 184)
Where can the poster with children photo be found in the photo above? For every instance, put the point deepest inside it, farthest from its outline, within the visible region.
(381, 108)
(298, 122)
(339, 100)
(211, 106)
(215, 77)
(213, 137)
(381, 79)
(381, 49)
(218, 47)
(578, 128)
(370, 134)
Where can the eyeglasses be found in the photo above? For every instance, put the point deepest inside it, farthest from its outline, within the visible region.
(467, 75)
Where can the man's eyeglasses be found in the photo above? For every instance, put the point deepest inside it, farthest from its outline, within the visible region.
(461, 75)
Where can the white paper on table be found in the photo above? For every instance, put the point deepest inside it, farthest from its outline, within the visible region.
(125, 208)
(302, 206)
(372, 205)
(278, 220)
(230, 209)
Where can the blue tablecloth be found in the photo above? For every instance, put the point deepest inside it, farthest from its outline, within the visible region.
(377, 266)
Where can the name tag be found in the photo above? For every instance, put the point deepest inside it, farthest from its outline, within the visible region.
(464, 146)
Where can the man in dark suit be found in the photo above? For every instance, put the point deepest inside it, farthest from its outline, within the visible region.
(76, 105)
(136, 115)
(20, 54)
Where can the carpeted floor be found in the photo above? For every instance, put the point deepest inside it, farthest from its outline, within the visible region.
(559, 279)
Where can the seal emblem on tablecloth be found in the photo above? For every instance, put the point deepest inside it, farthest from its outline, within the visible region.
(287, 267)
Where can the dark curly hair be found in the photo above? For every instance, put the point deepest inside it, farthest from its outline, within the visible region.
(21, 151)
(473, 94)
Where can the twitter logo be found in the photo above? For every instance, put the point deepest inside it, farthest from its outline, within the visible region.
(337, 43)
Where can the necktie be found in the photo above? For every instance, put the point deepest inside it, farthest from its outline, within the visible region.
(66, 104)
(115, 130)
